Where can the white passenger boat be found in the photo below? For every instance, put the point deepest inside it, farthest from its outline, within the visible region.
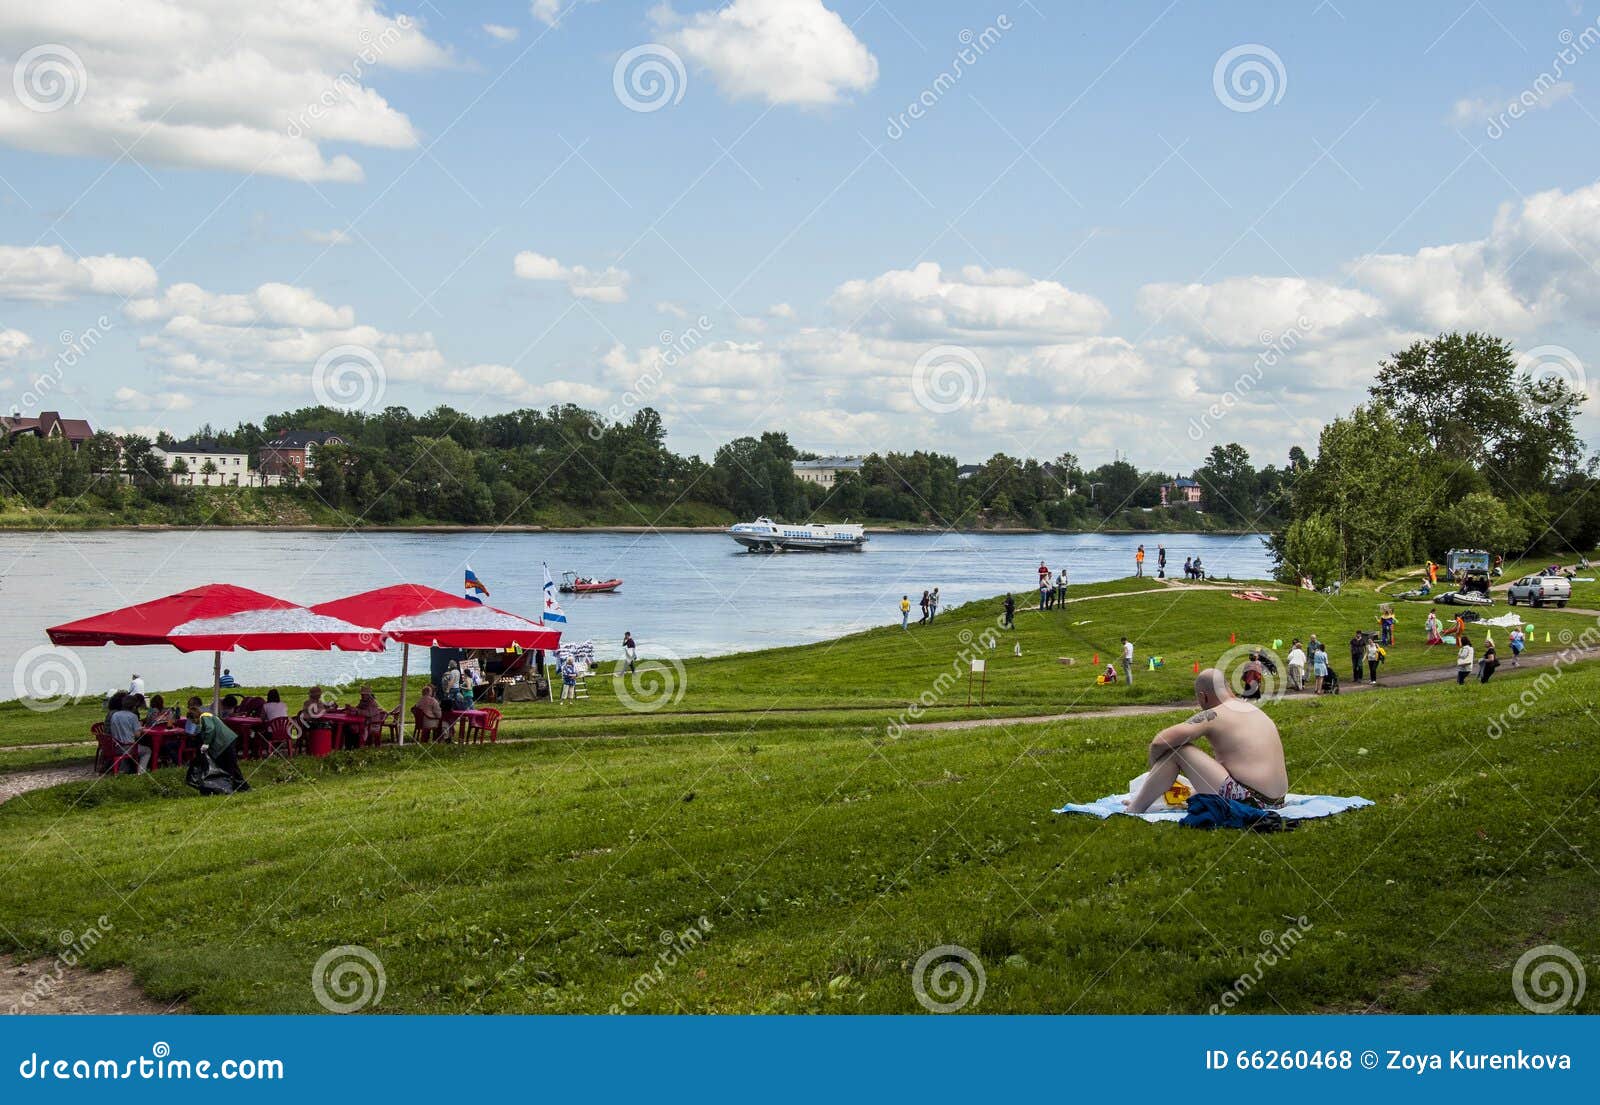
(765, 535)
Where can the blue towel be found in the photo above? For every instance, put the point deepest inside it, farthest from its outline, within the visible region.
(1212, 811)
(1296, 807)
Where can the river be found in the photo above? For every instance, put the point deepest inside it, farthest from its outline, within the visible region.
(686, 594)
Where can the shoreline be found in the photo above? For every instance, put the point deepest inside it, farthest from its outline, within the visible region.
(999, 531)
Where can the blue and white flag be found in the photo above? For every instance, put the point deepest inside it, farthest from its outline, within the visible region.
(552, 608)
(471, 587)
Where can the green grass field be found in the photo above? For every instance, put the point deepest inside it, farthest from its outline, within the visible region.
(826, 849)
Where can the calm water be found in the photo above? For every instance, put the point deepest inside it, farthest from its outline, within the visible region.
(689, 594)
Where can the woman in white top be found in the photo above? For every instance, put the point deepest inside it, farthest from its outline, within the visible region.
(1463, 660)
(274, 707)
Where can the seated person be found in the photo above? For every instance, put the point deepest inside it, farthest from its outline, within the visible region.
(428, 714)
(274, 707)
(373, 713)
(159, 715)
(227, 679)
(1247, 762)
(309, 716)
(230, 704)
(1110, 674)
(123, 725)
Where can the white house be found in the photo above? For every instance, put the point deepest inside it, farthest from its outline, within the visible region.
(825, 470)
(207, 464)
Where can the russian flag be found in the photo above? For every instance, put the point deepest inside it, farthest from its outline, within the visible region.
(473, 584)
(552, 608)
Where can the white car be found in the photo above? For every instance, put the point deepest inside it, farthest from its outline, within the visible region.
(1538, 590)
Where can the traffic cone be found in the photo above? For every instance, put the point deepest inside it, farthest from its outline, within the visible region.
(1547, 636)
(1197, 667)
(1233, 638)
(1097, 659)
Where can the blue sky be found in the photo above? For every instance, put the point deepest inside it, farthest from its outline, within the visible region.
(1123, 239)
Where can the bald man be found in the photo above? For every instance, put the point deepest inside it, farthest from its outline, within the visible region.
(1247, 762)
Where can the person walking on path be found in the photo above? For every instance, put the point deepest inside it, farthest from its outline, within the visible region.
(1319, 667)
(924, 620)
(1138, 562)
(905, 611)
(1488, 664)
(630, 650)
(1010, 611)
(1358, 653)
(1519, 641)
(1297, 666)
(1127, 660)
(933, 604)
(1374, 658)
(1386, 625)
(1463, 660)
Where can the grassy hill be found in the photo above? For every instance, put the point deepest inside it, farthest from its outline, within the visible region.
(827, 847)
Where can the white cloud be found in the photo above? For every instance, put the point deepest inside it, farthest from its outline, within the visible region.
(778, 51)
(609, 285)
(211, 84)
(14, 345)
(270, 304)
(507, 384)
(1252, 310)
(551, 12)
(48, 274)
(781, 310)
(502, 33)
(329, 237)
(974, 305)
(131, 400)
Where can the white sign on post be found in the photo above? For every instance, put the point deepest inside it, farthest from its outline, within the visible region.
(977, 665)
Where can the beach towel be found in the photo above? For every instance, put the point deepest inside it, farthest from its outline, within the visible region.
(1296, 807)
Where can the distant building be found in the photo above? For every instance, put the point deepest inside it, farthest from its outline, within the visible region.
(967, 471)
(294, 452)
(826, 470)
(228, 467)
(1180, 493)
(74, 431)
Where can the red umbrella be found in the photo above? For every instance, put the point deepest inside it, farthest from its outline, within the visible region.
(218, 618)
(417, 615)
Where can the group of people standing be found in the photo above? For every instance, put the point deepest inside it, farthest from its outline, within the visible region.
(1052, 589)
(930, 608)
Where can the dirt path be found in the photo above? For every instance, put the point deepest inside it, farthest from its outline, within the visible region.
(49, 986)
(14, 783)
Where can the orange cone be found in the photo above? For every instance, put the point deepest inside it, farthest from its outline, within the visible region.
(1233, 639)
(1197, 667)
(1097, 659)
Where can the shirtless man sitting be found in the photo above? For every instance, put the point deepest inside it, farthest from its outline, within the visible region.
(1248, 754)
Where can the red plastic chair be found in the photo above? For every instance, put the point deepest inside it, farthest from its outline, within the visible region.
(390, 725)
(488, 727)
(421, 728)
(279, 736)
(108, 758)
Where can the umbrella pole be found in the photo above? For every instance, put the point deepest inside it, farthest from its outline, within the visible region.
(405, 666)
(216, 682)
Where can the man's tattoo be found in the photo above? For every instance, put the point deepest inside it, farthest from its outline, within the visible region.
(1203, 715)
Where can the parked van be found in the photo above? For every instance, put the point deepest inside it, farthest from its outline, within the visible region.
(1538, 590)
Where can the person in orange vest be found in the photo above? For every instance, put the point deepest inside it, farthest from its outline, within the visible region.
(1138, 562)
(1433, 572)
